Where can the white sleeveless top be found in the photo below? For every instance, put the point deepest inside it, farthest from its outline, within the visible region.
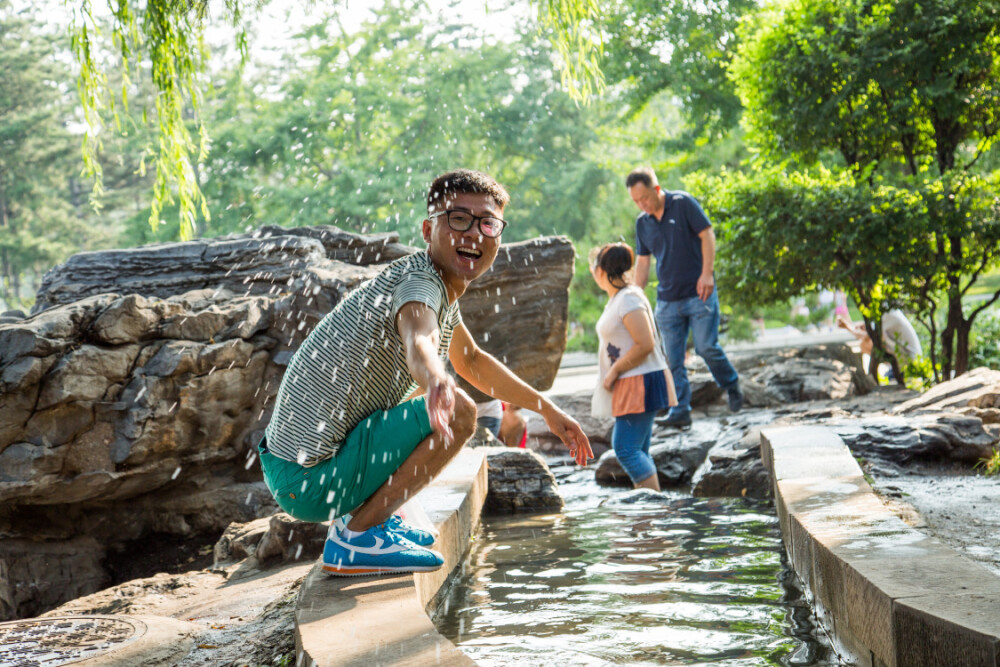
(615, 340)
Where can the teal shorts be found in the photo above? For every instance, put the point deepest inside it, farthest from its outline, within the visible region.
(372, 452)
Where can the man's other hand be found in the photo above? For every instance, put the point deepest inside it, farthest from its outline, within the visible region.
(441, 406)
(566, 428)
(706, 283)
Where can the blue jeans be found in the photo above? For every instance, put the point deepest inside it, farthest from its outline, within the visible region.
(675, 319)
(630, 440)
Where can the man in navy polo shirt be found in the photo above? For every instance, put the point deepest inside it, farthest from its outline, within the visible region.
(673, 228)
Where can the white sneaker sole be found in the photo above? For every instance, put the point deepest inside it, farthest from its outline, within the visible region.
(360, 571)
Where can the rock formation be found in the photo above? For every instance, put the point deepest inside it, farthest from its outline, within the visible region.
(131, 399)
(520, 481)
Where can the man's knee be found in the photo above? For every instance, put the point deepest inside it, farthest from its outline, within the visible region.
(710, 352)
(463, 423)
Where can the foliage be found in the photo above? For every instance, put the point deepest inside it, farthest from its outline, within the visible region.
(164, 38)
(349, 134)
(905, 95)
(984, 347)
(680, 46)
(782, 234)
(37, 225)
(991, 464)
(875, 80)
(574, 27)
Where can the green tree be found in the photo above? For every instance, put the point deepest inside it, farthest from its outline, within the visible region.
(782, 234)
(683, 47)
(37, 227)
(169, 36)
(900, 92)
(356, 125)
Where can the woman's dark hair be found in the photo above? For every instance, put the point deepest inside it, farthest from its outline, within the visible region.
(616, 260)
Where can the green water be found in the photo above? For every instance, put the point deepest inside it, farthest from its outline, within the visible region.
(632, 578)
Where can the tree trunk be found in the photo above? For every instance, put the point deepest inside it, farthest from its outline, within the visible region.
(4, 260)
(933, 341)
(962, 347)
(947, 345)
(5, 267)
(15, 287)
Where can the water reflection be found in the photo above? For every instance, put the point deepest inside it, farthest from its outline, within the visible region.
(634, 578)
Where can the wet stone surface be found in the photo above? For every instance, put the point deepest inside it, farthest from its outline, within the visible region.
(48, 642)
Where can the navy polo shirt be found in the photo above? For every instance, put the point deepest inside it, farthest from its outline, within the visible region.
(673, 241)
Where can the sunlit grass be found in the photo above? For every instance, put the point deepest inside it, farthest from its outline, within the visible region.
(991, 464)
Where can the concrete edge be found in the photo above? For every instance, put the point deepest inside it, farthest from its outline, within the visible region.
(889, 594)
(384, 620)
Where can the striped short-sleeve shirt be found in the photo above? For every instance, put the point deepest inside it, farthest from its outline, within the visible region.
(353, 363)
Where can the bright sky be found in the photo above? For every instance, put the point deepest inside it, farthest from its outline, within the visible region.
(279, 20)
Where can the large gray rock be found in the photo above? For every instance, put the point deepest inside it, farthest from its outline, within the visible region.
(526, 289)
(518, 311)
(36, 575)
(979, 389)
(520, 481)
(129, 392)
(132, 399)
(241, 265)
(772, 378)
(271, 541)
(735, 469)
(929, 439)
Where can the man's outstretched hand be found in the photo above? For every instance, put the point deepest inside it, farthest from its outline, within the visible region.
(441, 406)
(570, 433)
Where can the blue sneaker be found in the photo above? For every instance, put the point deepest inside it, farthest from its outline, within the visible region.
(395, 524)
(415, 535)
(376, 551)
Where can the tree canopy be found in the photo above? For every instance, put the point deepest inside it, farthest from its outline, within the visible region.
(905, 95)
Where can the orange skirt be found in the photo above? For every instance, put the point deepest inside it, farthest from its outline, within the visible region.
(640, 393)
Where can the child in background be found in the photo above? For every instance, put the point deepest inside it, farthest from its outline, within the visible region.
(632, 365)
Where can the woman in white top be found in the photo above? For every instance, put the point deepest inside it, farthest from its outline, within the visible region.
(632, 366)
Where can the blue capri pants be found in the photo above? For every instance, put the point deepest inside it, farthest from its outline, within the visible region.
(630, 440)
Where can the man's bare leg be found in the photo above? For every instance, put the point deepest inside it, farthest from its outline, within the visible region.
(427, 460)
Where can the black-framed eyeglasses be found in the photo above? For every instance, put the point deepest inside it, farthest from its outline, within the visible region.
(461, 221)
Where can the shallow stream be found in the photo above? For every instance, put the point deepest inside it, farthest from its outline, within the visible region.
(632, 577)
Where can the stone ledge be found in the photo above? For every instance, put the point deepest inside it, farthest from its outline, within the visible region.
(891, 594)
(384, 620)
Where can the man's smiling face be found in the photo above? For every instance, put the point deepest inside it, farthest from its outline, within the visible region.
(462, 256)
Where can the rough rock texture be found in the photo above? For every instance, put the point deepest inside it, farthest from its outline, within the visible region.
(130, 404)
(518, 311)
(928, 439)
(977, 392)
(38, 575)
(736, 469)
(524, 291)
(520, 481)
(259, 264)
(773, 378)
(270, 541)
